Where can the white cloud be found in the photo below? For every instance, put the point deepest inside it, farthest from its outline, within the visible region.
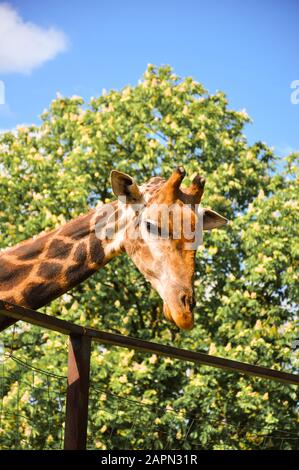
(25, 46)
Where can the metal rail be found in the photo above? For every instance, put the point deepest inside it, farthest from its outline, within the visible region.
(79, 363)
(68, 328)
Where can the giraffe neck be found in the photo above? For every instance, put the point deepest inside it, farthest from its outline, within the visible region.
(40, 269)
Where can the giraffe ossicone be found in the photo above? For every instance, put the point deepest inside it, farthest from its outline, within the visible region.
(158, 224)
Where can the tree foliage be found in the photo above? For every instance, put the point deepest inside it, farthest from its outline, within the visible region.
(246, 276)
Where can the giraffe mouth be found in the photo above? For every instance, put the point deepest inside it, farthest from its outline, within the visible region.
(181, 318)
(177, 308)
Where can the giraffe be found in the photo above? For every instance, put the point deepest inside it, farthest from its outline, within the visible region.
(40, 269)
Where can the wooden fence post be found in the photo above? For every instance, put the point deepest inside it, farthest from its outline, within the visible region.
(76, 418)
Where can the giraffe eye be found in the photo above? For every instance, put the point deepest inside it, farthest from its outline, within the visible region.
(152, 228)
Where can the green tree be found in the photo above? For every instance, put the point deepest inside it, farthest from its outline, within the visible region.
(246, 282)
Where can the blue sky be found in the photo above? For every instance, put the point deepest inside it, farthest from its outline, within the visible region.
(247, 49)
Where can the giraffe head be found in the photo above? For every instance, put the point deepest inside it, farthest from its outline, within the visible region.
(160, 232)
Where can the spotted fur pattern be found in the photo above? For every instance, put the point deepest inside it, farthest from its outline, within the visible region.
(40, 269)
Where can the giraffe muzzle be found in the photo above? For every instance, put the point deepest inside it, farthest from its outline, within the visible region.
(181, 315)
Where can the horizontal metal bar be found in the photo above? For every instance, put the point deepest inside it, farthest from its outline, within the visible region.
(40, 319)
(65, 327)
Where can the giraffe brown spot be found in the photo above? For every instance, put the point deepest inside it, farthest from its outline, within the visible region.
(77, 273)
(31, 250)
(78, 228)
(100, 217)
(59, 249)
(49, 270)
(96, 251)
(80, 254)
(11, 275)
(38, 294)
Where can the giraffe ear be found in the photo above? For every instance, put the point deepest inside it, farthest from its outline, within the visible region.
(212, 219)
(123, 185)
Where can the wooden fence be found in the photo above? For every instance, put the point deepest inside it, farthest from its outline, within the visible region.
(80, 339)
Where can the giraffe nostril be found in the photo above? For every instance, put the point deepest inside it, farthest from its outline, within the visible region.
(187, 301)
(183, 300)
